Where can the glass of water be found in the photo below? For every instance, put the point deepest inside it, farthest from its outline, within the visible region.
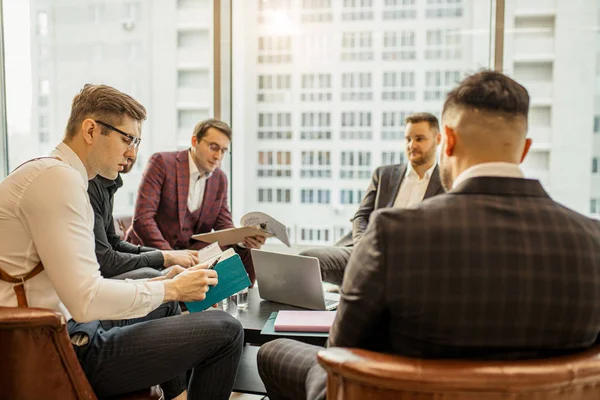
(242, 299)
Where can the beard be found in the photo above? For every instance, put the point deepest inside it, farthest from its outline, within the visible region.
(423, 158)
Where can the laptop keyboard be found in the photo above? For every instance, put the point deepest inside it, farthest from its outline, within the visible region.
(329, 302)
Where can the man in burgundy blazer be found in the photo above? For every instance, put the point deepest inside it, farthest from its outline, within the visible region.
(167, 213)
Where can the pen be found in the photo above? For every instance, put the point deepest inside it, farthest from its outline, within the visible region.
(211, 266)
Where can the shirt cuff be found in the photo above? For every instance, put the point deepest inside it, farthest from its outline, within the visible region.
(157, 293)
(156, 259)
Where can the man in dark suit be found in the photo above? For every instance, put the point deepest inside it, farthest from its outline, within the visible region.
(493, 269)
(400, 185)
(119, 259)
(184, 193)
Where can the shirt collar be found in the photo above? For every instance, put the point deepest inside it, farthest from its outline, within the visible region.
(496, 169)
(194, 169)
(111, 185)
(410, 171)
(65, 153)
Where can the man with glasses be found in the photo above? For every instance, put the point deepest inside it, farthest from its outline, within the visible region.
(117, 258)
(127, 335)
(184, 193)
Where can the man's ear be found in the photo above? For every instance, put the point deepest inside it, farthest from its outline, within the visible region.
(528, 142)
(450, 139)
(87, 127)
(438, 139)
(194, 141)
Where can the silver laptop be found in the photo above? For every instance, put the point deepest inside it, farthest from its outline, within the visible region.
(292, 279)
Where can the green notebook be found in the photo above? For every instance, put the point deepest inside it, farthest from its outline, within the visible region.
(232, 279)
(269, 329)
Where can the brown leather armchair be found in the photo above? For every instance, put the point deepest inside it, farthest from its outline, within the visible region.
(354, 374)
(37, 360)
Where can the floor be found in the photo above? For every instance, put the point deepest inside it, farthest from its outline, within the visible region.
(243, 396)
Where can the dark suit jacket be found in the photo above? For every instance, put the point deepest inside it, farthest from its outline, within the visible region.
(161, 205)
(492, 269)
(114, 255)
(382, 193)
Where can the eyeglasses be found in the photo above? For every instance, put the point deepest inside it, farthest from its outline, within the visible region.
(215, 147)
(133, 142)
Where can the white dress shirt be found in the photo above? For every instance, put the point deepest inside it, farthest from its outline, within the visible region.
(412, 190)
(45, 215)
(197, 186)
(497, 169)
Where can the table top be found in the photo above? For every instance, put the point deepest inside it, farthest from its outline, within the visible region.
(254, 317)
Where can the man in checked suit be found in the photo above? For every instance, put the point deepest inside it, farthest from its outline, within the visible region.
(492, 269)
(399, 185)
(184, 193)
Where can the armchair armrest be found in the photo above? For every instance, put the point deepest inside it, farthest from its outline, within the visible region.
(13, 318)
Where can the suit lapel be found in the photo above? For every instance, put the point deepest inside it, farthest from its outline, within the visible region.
(396, 178)
(435, 184)
(183, 184)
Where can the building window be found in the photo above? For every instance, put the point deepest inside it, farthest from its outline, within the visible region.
(316, 164)
(595, 165)
(439, 83)
(340, 232)
(398, 86)
(315, 196)
(274, 88)
(356, 165)
(274, 49)
(316, 87)
(314, 236)
(443, 44)
(351, 196)
(399, 9)
(595, 206)
(44, 137)
(357, 46)
(316, 11)
(275, 125)
(444, 8)
(596, 123)
(275, 164)
(392, 124)
(399, 45)
(356, 125)
(42, 23)
(357, 10)
(357, 86)
(267, 10)
(316, 125)
(392, 157)
(270, 195)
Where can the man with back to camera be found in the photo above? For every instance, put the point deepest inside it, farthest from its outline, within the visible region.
(485, 271)
(399, 185)
(117, 258)
(119, 329)
(184, 193)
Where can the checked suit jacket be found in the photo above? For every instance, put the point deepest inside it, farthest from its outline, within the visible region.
(160, 214)
(492, 269)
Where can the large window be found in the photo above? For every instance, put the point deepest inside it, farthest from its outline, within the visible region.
(320, 89)
(54, 47)
(355, 70)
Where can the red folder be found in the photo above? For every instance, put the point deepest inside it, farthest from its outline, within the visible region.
(304, 321)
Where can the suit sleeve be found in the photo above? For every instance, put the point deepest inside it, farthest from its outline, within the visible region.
(224, 220)
(146, 206)
(362, 302)
(111, 259)
(367, 205)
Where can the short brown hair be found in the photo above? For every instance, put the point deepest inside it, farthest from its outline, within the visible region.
(102, 102)
(490, 91)
(424, 117)
(203, 126)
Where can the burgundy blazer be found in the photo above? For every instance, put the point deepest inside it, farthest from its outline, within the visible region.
(161, 205)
